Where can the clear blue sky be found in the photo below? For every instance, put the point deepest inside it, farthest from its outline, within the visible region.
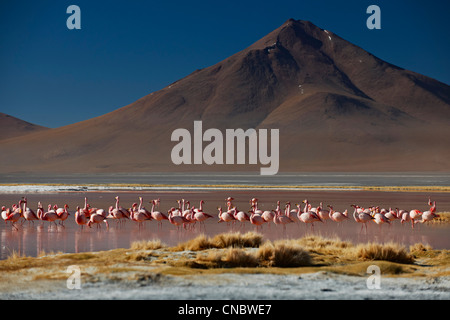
(54, 76)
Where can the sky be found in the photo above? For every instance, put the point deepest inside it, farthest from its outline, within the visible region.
(126, 49)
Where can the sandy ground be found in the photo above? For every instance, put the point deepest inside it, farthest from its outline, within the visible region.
(319, 285)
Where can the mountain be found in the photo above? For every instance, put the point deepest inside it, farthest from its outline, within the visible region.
(13, 127)
(338, 108)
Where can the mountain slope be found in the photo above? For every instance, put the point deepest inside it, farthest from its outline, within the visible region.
(13, 127)
(337, 107)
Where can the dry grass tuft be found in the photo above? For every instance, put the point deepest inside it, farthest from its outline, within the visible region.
(237, 240)
(444, 217)
(220, 241)
(393, 252)
(283, 255)
(147, 245)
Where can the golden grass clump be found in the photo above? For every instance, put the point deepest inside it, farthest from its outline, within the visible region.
(235, 258)
(147, 245)
(220, 241)
(444, 217)
(393, 252)
(229, 258)
(236, 239)
(284, 255)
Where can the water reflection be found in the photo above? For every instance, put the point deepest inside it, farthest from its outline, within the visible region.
(32, 240)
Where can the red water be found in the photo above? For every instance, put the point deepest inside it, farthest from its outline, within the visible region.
(31, 239)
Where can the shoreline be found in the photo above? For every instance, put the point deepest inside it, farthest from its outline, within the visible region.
(109, 187)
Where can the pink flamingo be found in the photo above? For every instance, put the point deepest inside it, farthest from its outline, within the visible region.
(177, 220)
(414, 214)
(28, 214)
(282, 219)
(307, 216)
(323, 214)
(391, 215)
(256, 220)
(97, 219)
(15, 215)
(268, 216)
(378, 217)
(337, 216)
(201, 216)
(50, 215)
(361, 216)
(225, 216)
(138, 215)
(157, 215)
(62, 213)
(5, 213)
(242, 217)
(429, 215)
(80, 217)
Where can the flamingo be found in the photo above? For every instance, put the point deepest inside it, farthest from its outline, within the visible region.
(307, 216)
(360, 215)
(201, 216)
(225, 216)
(379, 217)
(50, 215)
(15, 215)
(269, 215)
(138, 215)
(62, 213)
(80, 217)
(176, 220)
(5, 213)
(414, 214)
(337, 216)
(282, 219)
(429, 215)
(28, 214)
(256, 220)
(391, 215)
(242, 217)
(97, 218)
(323, 214)
(157, 215)
(254, 204)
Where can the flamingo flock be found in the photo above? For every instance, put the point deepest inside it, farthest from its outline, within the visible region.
(185, 216)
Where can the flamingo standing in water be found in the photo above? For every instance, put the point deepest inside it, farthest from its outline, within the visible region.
(429, 215)
(414, 214)
(157, 215)
(361, 216)
(177, 220)
(337, 216)
(62, 213)
(28, 214)
(80, 217)
(323, 214)
(15, 215)
(97, 218)
(225, 216)
(138, 215)
(201, 216)
(307, 216)
(242, 217)
(282, 219)
(256, 220)
(5, 213)
(268, 216)
(50, 215)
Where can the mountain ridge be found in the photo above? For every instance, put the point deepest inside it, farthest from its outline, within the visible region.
(326, 95)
